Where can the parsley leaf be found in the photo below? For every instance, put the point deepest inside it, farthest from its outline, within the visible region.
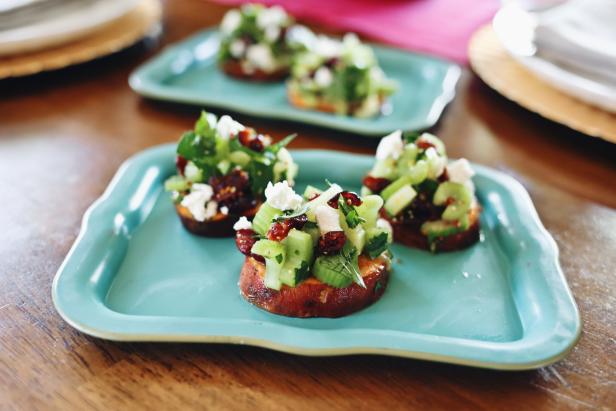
(376, 245)
(206, 123)
(350, 264)
(350, 213)
(275, 148)
(194, 147)
(410, 136)
(292, 213)
(261, 172)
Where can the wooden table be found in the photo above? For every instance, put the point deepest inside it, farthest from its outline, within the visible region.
(62, 137)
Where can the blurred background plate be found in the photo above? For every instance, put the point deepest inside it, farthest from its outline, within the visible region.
(188, 73)
(140, 21)
(35, 25)
(559, 46)
(494, 65)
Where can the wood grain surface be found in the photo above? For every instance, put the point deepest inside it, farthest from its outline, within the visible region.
(62, 137)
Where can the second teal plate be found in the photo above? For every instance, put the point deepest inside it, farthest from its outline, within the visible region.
(187, 73)
(135, 274)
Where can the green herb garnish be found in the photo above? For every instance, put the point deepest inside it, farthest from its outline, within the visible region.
(376, 245)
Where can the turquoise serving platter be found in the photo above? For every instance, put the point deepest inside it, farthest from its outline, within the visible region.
(134, 274)
(187, 73)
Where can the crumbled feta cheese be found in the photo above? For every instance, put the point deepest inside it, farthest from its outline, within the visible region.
(301, 36)
(196, 201)
(384, 225)
(228, 127)
(260, 56)
(282, 196)
(231, 21)
(350, 39)
(211, 209)
(460, 171)
(272, 16)
(242, 224)
(327, 47)
(328, 219)
(436, 162)
(224, 210)
(390, 146)
(237, 48)
(323, 77)
(272, 33)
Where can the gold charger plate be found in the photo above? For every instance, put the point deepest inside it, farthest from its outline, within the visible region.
(113, 37)
(499, 70)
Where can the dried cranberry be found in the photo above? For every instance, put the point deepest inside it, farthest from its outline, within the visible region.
(299, 221)
(279, 230)
(180, 164)
(249, 138)
(444, 176)
(232, 190)
(376, 184)
(423, 144)
(351, 198)
(333, 202)
(332, 62)
(244, 240)
(332, 242)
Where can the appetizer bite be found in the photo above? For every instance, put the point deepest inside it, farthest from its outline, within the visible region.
(222, 171)
(341, 77)
(430, 203)
(255, 44)
(322, 255)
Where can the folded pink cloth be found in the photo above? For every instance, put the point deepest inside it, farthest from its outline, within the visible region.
(438, 27)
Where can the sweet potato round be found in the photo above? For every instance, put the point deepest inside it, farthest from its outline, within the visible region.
(219, 226)
(322, 105)
(312, 298)
(409, 234)
(233, 68)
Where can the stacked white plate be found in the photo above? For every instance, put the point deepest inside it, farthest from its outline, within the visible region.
(32, 25)
(571, 45)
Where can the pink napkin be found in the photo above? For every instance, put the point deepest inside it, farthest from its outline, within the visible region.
(438, 27)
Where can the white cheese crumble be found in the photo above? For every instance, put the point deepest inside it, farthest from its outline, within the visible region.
(228, 127)
(211, 209)
(436, 162)
(242, 224)
(282, 196)
(323, 77)
(237, 48)
(260, 56)
(384, 225)
(231, 21)
(224, 210)
(272, 33)
(196, 201)
(327, 47)
(390, 146)
(460, 171)
(272, 16)
(328, 219)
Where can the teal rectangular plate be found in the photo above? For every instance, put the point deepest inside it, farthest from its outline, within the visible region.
(187, 73)
(134, 274)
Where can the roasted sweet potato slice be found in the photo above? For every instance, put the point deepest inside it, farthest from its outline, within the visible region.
(312, 298)
(219, 226)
